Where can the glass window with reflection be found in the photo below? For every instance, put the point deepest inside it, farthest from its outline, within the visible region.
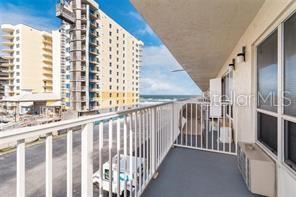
(267, 131)
(267, 73)
(290, 144)
(290, 66)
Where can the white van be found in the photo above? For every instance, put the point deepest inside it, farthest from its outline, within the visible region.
(125, 174)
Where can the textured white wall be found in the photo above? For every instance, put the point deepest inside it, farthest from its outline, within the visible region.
(272, 13)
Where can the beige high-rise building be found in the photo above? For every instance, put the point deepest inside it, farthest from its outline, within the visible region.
(29, 55)
(105, 58)
(120, 57)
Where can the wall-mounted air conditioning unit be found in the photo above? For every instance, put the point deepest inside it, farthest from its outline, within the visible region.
(257, 168)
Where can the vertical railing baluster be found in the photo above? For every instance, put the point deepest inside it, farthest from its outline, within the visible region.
(110, 157)
(87, 160)
(131, 151)
(201, 125)
(69, 163)
(125, 154)
(212, 132)
(140, 149)
(101, 145)
(153, 141)
(196, 131)
(159, 136)
(230, 125)
(207, 126)
(151, 111)
(173, 123)
(48, 165)
(186, 115)
(160, 133)
(136, 153)
(118, 156)
(20, 168)
(181, 130)
(218, 135)
(145, 147)
(223, 134)
(191, 120)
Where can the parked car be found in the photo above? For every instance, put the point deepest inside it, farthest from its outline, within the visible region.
(125, 176)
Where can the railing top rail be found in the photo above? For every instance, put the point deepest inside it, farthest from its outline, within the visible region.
(26, 132)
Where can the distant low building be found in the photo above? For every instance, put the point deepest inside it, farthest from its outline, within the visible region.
(32, 103)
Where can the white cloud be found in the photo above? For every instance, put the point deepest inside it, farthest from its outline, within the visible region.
(145, 30)
(159, 85)
(135, 15)
(156, 75)
(16, 15)
(159, 56)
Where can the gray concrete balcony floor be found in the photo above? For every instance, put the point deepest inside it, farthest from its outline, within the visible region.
(194, 173)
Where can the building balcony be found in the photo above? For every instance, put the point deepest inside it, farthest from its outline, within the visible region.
(47, 48)
(93, 25)
(83, 7)
(7, 28)
(94, 15)
(83, 17)
(7, 64)
(94, 52)
(47, 61)
(9, 44)
(199, 173)
(94, 71)
(8, 37)
(65, 12)
(47, 73)
(93, 34)
(8, 57)
(47, 67)
(47, 55)
(94, 89)
(93, 43)
(94, 99)
(76, 68)
(200, 163)
(8, 50)
(76, 48)
(47, 41)
(82, 28)
(93, 61)
(94, 80)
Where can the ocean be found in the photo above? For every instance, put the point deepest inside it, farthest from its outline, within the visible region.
(144, 99)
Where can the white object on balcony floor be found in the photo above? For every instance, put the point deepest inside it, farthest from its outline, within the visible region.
(225, 135)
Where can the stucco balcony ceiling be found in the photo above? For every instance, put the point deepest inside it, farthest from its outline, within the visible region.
(199, 33)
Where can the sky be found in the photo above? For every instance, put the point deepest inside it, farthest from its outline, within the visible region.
(155, 76)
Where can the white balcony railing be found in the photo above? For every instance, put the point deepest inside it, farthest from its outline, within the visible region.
(140, 137)
(144, 133)
(206, 126)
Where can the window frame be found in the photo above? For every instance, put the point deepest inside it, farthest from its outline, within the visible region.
(263, 111)
(281, 117)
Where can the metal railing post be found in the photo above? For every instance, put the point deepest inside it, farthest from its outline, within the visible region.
(48, 165)
(69, 163)
(173, 123)
(87, 160)
(153, 129)
(20, 168)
